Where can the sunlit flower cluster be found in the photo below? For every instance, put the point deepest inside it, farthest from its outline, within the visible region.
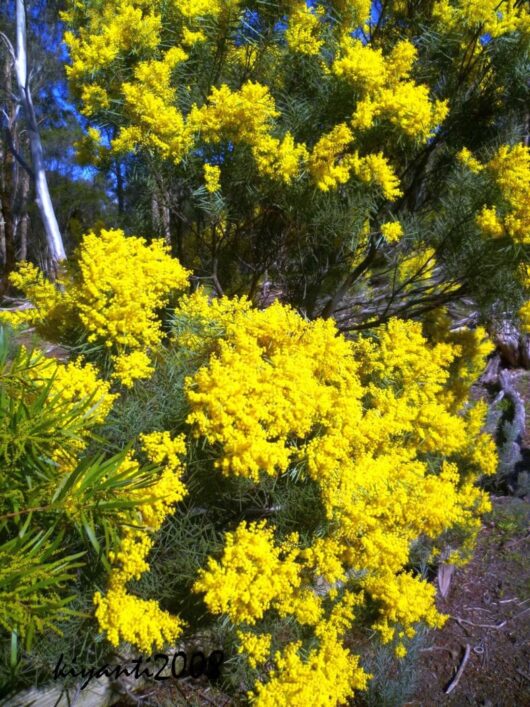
(368, 461)
(488, 16)
(392, 231)
(524, 312)
(302, 33)
(78, 393)
(386, 89)
(331, 163)
(509, 171)
(114, 296)
(159, 120)
(122, 615)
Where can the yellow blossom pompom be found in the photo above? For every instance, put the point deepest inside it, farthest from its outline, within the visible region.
(141, 622)
(123, 282)
(329, 675)
(212, 175)
(303, 29)
(489, 222)
(392, 231)
(467, 159)
(251, 576)
(131, 367)
(256, 647)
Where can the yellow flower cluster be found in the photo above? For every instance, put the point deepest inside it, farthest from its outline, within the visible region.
(120, 284)
(212, 176)
(160, 448)
(466, 157)
(328, 675)
(376, 169)
(253, 575)
(487, 16)
(509, 169)
(386, 89)
(302, 34)
(71, 384)
(256, 647)
(156, 122)
(141, 622)
(94, 98)
(279, 159)
(129, 367)
(408, 108)
(361, 65)
(245, 116)
(193, 9)
(124, 282)
(122, 26)
(524, 312)
(49, 304)
(278, 390)
(238, 115)
(404, 600)
(123, 616)
(330, 164)
(489, 222)
(392, 231)
(254, 434)
(74, 382)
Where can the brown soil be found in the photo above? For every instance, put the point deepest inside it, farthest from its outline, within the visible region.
(489, 607)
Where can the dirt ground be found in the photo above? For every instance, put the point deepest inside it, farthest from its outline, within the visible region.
(489, 605)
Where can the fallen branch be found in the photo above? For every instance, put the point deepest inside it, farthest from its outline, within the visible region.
(455, 680)
(471, 623)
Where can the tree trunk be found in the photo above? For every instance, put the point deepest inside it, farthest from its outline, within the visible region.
(51, 227)
(513, 347)
(22, 229)
(119, 188)
(7, 190)
(160, 217)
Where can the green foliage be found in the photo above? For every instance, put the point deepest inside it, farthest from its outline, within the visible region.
(258, 227)
(54, 523)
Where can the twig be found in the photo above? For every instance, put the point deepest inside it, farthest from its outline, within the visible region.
(435, 648)
(210, 702)
(454, 681)
(465, 621)
(521, 613)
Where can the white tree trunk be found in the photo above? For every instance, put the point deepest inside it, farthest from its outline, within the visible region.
(51, 227)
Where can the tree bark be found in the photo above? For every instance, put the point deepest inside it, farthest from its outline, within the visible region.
(513, 347)
(7, 190)
(44, 202)
(22, 226)
(119, 188)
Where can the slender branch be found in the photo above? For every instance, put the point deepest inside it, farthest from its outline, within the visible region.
(9, 46)
(11, 147)
(458, 675)
(348, 282)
